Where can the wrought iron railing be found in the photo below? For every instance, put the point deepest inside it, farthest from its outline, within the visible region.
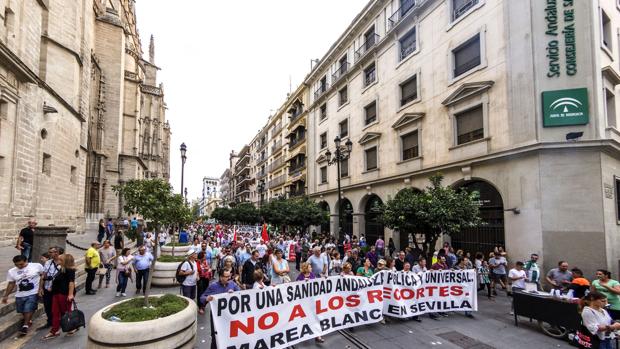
(397, 16)
(321, 90)
(340, 72)
(371, 41)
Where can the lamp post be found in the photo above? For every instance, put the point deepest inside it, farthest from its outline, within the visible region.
(261, 189)
(341, 153)
(183, 159)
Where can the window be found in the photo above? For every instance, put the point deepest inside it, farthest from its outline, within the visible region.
(323, 112)
(409, 90)
(323, 140)
(408, 43)
(73, 177)
(344, 168)
(370, 75)
(370, 38)
(343, 65)
(46, 168)
(371, 158)
(410, 145)
(344, 128)
(460, 7)
(610, 108)
(371, 113)
(323, 174)
(323, 84)
(469, 125)
(467, 55)
(343, 96)
(606, 26)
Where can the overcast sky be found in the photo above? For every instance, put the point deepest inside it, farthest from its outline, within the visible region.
(226, 66)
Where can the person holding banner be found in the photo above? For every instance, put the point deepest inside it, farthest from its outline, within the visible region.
(224, 285)
(306, 272)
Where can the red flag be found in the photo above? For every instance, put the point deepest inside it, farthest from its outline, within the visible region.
(265, 235)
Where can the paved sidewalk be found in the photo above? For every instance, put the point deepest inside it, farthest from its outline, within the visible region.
(8, 252)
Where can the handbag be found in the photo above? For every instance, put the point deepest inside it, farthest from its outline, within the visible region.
(73, 319)
(102, 270)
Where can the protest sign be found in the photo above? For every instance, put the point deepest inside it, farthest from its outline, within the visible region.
(278, 317)
(281, 316)
(409, 294)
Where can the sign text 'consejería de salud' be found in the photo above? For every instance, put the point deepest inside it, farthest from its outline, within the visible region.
(560, 20)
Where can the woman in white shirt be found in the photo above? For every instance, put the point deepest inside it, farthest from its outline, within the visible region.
(123, 270)
(279, 273)
(596, 319)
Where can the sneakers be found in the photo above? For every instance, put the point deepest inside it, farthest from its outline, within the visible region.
(23, 331)
(124, 294)
(118, 294)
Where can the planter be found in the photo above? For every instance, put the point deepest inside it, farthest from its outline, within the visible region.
(178, 250)
(174, 331)
(164, 274)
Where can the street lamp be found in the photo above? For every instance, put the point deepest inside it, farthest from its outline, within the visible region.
(183, 159)
(261, 189)
(341, 153)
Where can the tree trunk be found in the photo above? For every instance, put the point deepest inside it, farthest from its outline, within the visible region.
(152, 268)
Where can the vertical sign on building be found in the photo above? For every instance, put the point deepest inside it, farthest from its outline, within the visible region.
(560, 28)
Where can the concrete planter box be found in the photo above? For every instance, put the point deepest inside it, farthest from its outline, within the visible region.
(164, 274)
(178, 250)
(174, 331)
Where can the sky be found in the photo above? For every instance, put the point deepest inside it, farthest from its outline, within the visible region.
(227, 65)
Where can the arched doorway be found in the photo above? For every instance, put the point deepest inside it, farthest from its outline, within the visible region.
(325, 225)
(347, 216)
(485, 237)
(372, 214)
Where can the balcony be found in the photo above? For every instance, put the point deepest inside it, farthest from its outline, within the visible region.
(295, 142)
(342, 70)
(276, 164)
(276, 182)
(321, 90)
(297, 193)
(243, 180)
(261, 159)
(371, 41)
(261, 174)
(397, 16)
(297, 170)
(276, 147)
(295, 115)
(276, 130)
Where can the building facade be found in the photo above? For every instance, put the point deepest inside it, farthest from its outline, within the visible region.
(277, 145)
(513, 99)
(242, 176)
(71, 85)
(297, 112)
(210, 191)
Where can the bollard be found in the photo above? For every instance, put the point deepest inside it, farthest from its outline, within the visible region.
(46, 237)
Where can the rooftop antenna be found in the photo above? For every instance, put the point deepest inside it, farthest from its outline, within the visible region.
(290, 84)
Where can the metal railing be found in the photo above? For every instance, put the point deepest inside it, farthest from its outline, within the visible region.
(276, 147)
(397, 16)
(371, 41)
(296, 115)
(276, 129)
(261, 174)
(276, 164)
(297, 193)
(370, 77)
(321, 90)
(296, 141)
(261, 159)
(293, 171)
(340, 72)
(458, 12)
(277, 181)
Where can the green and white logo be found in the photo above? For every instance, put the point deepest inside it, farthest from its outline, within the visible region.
(565, 107)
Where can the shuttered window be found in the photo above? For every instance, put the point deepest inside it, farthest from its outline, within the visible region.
(467, 56)
(469, 125)
(371, 113)
(409, 90)
(371, 158)
(410, 145)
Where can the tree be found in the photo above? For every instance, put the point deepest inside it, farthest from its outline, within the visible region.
(245, 213)
(432, 212)
(154, 201)
(295, 212)
(196, 210)
(222, 214)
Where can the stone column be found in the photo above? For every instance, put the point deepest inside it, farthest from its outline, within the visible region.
(334, 225)
(46, 237)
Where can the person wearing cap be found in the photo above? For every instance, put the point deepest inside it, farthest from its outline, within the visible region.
(189, 269)
(92, 261)
(381, 265)
(142, 263)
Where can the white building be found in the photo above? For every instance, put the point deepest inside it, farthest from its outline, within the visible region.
(515, 99)
(210, 191)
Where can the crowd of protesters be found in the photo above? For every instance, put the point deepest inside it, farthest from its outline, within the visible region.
(224, 258)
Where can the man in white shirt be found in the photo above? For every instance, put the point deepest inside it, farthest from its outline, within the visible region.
(261, 248)
(189, 269)
(518, 276)
(28, 277)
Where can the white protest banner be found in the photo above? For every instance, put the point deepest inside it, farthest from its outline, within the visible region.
(280, 316)
(409, 294)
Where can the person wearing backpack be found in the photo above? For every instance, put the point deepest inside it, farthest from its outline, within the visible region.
(187, 275)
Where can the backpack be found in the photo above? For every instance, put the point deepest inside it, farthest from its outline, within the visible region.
(181, 278)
